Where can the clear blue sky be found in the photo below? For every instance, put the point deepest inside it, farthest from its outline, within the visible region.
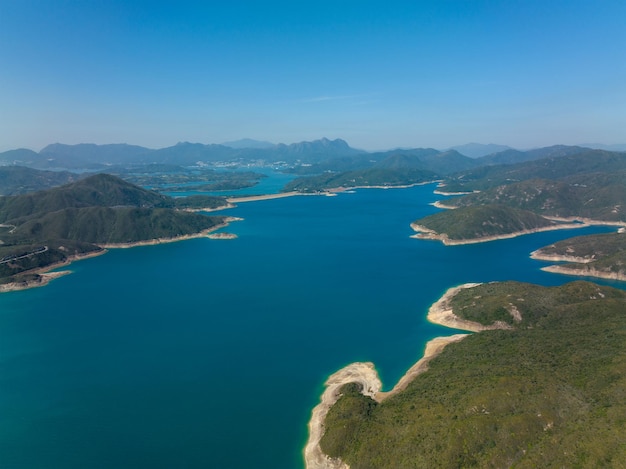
(379, 74)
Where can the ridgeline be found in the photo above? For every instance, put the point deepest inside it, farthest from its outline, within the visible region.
(46, 228)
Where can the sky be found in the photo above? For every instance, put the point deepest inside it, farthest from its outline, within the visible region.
(378, 74)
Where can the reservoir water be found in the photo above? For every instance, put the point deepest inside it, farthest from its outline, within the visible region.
(211, 353)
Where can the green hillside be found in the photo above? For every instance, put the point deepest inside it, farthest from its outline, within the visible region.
(554, 168)
(596, 196)
(395, 167)
(47, 227)
(482, 221)
(601, 255)
(511, 156)
(549, 393)
(103, 225)
(101, 190)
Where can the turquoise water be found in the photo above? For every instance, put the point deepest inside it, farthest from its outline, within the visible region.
(210, 353)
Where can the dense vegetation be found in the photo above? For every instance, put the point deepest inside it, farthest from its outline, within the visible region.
(599, 196)
(47, 227)
(598, 254)
(549, 393)
(101, 190)
(564, 164)
(482, 221)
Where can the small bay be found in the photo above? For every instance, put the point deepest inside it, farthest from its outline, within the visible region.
(209, 353)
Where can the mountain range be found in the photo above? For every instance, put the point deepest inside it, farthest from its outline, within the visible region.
(92, 156)
(308, 157)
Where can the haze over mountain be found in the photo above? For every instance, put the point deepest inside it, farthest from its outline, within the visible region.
(601, 146)
(476, 150)
(92, 156)
(249, 143)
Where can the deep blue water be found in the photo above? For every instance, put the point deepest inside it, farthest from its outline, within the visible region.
(211, 353)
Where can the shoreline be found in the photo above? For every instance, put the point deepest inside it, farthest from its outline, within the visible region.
(45, 276)
(254, 198)
(440, 204)
(366, 375)
(362, 373)
(452, 194)
(404, 186)
(565, 270)
(427, 233)
(328, 192)
(441, 313)
(209, 209)
(558, 269)
(151, 242)
(538, 256)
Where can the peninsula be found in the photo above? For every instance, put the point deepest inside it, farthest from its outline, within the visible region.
(499, 397)
(601, 256)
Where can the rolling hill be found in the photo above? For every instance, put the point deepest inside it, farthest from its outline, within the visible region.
(479, 223)
(47, 227)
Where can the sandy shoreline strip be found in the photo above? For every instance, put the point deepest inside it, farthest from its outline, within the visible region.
(329, 192)
(175, 239)
(562, 269)
(539, 256)
(405, 186)
(426, 233)
(363, 373)
(254, 198)
(433, 348)
(209, 209)
(441, 313)
(366, 375)
(440, 204)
